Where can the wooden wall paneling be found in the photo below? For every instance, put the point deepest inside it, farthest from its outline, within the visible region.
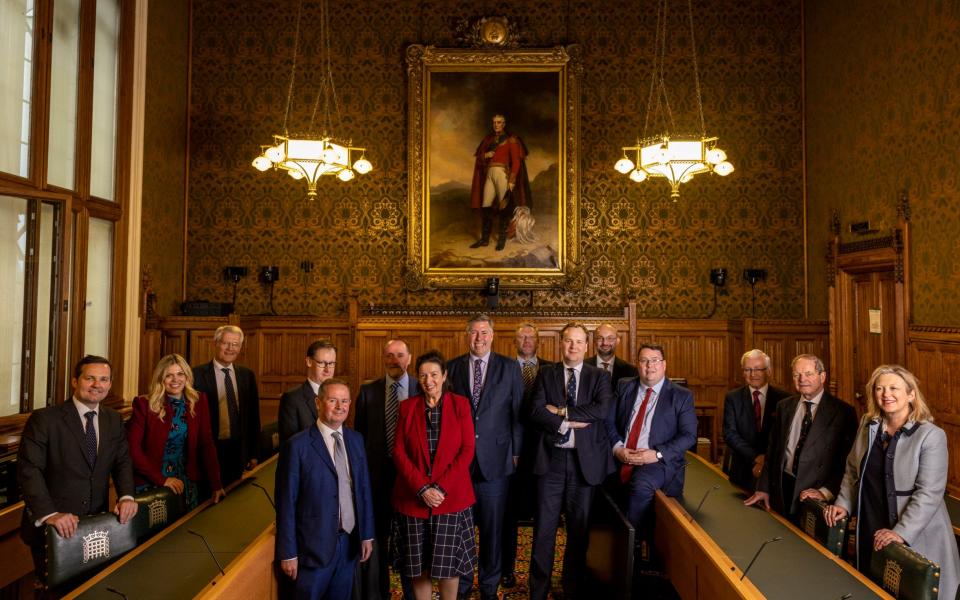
(549, 348)
(416, 340)
(449, 343)
(370, 353)
(174, 342)
(201, 347)
(151, 345)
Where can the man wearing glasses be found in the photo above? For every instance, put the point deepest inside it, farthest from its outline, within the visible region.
(606, 339)
(747, 415)
(810, 437)
(234, 404)
(651, 427)
(298, 407)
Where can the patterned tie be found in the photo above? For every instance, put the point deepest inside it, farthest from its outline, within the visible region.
(529, 374)
(344, 485)
(606, 366)
(804, 430)
(90, 438)
(634, 437)
(570, 399)
(477, 382)
(390, 414)
(757, 412)
(232, 410)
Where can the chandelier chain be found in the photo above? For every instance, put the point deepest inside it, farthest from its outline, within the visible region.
(327, 88)
(293, 68)
(696, 70)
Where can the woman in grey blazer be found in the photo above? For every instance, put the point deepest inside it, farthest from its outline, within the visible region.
(897, 437)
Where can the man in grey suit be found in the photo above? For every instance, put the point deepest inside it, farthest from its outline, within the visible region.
(377, 407)
(68, 454)
(494, 386)
(810, 437)
(298, 406)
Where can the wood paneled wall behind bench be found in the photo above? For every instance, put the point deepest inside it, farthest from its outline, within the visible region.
(933, 355)
(704, 352)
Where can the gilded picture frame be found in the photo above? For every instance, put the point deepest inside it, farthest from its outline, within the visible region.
(464, 197)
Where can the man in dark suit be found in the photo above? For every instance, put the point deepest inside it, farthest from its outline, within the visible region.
(324, 507)
(747, 417)
(375, 418)
(494, 386)
(68, 453)
(810, 437)
(522, 491)
(606, 339)
(652, 426)
(234, 404)
(298, 406)
(569, 407)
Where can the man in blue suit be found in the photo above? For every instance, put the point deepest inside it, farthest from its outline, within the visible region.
(494, 385)
(324, 504)
(651, 427)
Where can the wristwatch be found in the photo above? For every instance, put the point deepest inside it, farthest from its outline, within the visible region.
(659, 455)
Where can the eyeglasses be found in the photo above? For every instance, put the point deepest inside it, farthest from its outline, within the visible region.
(650, 361)
(323, 364)
(805, 374)
(750, 371)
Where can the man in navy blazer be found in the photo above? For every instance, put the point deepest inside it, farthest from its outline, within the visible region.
(494, 386)
(324, 507)
(378, 425)
(745, 434)
(298, 406)
(651, 428)
(234, 402)
(569, 410)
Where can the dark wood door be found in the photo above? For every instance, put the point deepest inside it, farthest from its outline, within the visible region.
(873, 301)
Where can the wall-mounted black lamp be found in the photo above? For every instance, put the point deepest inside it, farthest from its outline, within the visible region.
(718, 279)
(234, 274)
(492, 291)
(269, 276)
(753, 277)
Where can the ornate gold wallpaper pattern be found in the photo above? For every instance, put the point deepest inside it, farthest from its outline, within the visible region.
(635, 242)
(883, 114)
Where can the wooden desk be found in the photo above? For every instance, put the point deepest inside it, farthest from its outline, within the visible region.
(175, 563)
(705, 556)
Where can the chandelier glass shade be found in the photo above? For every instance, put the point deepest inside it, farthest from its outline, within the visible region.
(317, 153)
(676, 157)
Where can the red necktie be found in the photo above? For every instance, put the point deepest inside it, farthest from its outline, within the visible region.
(627, 470)
(757, 411)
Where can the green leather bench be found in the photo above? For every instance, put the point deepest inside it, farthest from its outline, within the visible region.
(815, 525)
(905, 574)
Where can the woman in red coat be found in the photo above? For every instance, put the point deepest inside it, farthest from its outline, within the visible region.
(171, 443)
(433, 527)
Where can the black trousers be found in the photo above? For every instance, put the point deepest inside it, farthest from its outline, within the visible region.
(561, 488)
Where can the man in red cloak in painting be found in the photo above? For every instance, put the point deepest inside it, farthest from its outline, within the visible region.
(500, 182)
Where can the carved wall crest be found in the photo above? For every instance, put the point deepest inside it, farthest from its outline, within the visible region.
(488, 32)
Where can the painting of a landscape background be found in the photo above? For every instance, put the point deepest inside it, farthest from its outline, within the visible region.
(460, 112)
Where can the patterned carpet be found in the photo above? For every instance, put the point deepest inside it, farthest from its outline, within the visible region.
(522, 571)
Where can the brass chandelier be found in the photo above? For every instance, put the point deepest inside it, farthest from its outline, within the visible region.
(317, 152)
(670, 154)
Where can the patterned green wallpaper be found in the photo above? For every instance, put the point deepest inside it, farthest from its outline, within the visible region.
(636, 242)
(164, 153)
(883, 114)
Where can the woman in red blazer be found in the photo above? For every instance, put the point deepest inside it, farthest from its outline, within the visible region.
(170, 435)
(433, 493)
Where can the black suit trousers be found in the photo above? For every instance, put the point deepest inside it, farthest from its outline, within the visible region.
(562, 487)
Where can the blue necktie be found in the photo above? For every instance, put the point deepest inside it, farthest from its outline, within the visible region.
(570, 400)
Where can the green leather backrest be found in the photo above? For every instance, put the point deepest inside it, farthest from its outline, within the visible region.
(99, 540)
(158, 508)
(813, 524)
(904, 573)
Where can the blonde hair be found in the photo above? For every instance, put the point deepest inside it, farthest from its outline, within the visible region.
(157, 398)
(919, 411)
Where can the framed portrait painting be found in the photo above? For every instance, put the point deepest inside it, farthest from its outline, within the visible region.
(493, 167)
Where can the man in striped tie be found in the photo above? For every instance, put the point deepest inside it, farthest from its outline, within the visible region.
(376, 420)
(652, 426)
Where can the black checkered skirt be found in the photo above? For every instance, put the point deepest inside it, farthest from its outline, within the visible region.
(440, 546)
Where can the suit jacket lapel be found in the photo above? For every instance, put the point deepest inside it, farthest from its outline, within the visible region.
(493, 368)
(71, 419)
(664, 407)
(625, 407)
(822, 421)
(309, 399)
(320, 447)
